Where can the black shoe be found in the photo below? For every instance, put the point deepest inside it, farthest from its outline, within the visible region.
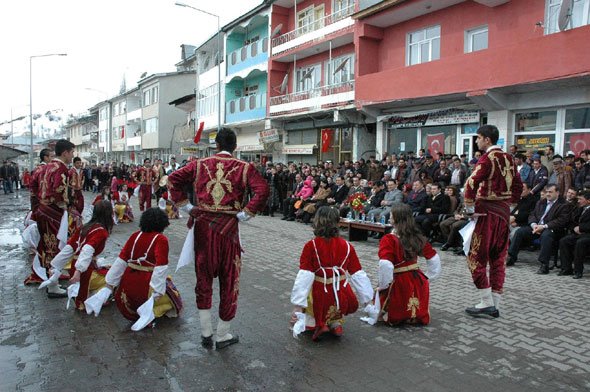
(290, 219)
(565, 273)
(460, 253)
(511, 261)
(207, 342)
(552, 267)
(577, 275)
(284, 218)
(445, 246)
(226, 343)
(489, 311)
(543, 270)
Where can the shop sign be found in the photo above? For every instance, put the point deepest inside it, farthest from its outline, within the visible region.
(250, 147)
(441, 117)
(188, 150)
(212, 137)
(304, 149)
(534, 142)
(269, 136)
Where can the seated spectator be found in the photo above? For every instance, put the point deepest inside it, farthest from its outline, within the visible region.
(354, 188)
(571, 196)
(548, 223)
(391, 197)
(376, 197)
(437, 204)
(339, 193)
(451, 192)
(450, 228)
(443, 174)
(574, 247)
(417, 198)
(519, 216)
(316, 201)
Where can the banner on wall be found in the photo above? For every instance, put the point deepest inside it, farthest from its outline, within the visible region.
(436, 143)
(440, 117)
(579, 142)
(268, 136)
(327, 137)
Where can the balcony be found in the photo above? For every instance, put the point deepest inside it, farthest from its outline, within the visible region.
(134, 115)
(252, 107)
(133, 141)
(315, 99)
(89, 138)
(248, 56)
(313, 31)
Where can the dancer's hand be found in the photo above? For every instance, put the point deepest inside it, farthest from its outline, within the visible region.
(296, 309)
(75, 278)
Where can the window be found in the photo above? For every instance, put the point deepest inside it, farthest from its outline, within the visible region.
(341, 70)
(536, 121)
(305, 19)
(208, 101)
(580, 15)
(150, 96)
(151, 125)
(476, 39)
(308, 78)
(103, 114)
(341, 9)
(423, 45)
(251, 90)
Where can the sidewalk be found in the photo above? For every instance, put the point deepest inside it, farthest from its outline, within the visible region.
(541, 342)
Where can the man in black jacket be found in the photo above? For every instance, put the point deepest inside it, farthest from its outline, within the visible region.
(519, 216)
(339, 193)
(417, 198)
(574, 247)
(437, 204)
(548, 222)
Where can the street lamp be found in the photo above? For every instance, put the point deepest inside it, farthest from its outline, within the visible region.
(218, 63)
(32, 153)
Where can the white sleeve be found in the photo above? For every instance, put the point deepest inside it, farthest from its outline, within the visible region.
(62, 258)
(84, 258)
(362, 285)
(115, 273)
(385, 273)
(433, 267)
(158, 280)
(301, 288)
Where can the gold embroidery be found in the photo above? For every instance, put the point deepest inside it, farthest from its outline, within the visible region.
(215, 186)
(413, 305)
(475, 245)
(238, 264)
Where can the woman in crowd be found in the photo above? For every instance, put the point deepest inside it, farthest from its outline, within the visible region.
(317, 200)
(328, 270)
(405, 298)
(141, 269)
(81, 252)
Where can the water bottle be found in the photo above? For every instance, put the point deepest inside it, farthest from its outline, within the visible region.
(382, 221)
(362, 217)
(372, 218)
(349, 216)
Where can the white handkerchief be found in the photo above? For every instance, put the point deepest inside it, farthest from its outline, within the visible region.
(466, 233)
(187, 254)
(31, 236)
(299, 326)
(39, 270)
(94, 303)
(73, 290)
(373, 310)
(62, 234)
(146, 314)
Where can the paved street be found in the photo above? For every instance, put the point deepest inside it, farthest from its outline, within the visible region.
(541, 342)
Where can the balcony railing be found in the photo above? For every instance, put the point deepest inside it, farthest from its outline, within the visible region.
(313, 93)
(246, 108)
(313, 26)
(255, 50)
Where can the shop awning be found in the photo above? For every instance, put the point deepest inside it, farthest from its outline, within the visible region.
(299, 149)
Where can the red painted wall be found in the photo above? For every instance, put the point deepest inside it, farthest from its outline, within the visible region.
(517, 53)
(303, 5)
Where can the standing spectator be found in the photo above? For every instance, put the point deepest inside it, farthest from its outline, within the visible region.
(459, 174)
(26, 181)
(15, 176)
(525, 171)
(5, 176)
(540, 177)
(443, 174)
(579, 173)
(562, 176)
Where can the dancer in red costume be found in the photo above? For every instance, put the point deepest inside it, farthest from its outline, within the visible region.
(404, 289)
(52, 212)
(221, 184)
(145, 177)
(82, 250)
(328, 271)
(141, 269)
(76, 179)
(494, 184)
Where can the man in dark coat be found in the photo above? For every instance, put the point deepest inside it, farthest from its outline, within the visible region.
(574, 247)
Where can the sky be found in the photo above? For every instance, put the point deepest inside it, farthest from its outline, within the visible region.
(104, 40)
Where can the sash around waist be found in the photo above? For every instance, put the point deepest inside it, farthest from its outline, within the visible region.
(137, 267)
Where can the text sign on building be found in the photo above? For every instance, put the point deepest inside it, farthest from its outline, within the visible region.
(534, 142)
(298, 150)
(212, 137)
(268, 136)
(188, 150)
(441, 117)
(250, 147)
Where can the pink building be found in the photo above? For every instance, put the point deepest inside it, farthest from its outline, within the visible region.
(433, 71)
(311, 81)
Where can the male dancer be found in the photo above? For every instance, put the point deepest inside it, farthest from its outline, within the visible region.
(145, 177)
(220, 183)
(51, 215)
(76, 178)
(489, 191)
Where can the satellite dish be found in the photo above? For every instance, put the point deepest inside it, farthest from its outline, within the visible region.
(283, 88)
(341, 66)
(565, 14)
(276, 31)
(143, 75)
(307, 74)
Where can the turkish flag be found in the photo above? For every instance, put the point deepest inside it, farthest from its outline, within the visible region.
(122, 132)
(132, 156)
(327, 137)
(199, 132)
(579, 142)
(436, 143)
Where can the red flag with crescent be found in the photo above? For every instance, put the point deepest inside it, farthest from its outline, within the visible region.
(579, 142)
(199, 132)
(327, 137)
(436, 143)
(122, 132)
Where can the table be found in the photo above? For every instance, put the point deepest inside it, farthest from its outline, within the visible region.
(358, 230)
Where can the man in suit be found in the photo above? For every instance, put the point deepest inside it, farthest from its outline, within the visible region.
(519, 216)
(443, 174)
(539, 177)
(548, 222)
(417, 198)
(392, 196)
(574, 247)
(437, 204)
(339, 193)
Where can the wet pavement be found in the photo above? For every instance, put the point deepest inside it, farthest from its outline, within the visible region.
(541, 342)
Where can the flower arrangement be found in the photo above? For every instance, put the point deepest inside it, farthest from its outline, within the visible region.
(357, 201)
